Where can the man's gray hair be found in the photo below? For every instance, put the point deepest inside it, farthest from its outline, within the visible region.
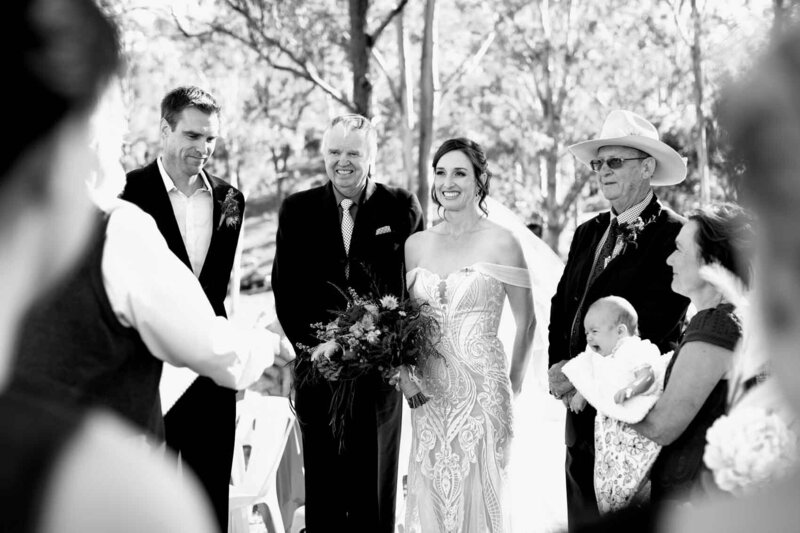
(351, 123)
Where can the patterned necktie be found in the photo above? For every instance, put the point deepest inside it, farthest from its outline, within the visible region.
(347, 230)
(601, 259)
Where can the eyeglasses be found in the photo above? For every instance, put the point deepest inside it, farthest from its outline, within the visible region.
(613, 162)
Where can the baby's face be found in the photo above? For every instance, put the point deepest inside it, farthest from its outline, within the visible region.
(601, 332)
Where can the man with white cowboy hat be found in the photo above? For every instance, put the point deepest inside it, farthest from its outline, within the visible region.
(623, 253)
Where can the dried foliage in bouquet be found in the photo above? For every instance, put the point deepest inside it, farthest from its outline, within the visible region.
(379, 334)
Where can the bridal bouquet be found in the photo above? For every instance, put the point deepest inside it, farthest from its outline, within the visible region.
(749, 448)
(371, 335)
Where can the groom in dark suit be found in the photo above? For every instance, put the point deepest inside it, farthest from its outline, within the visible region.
(623, 253)
(348, 232)
(200, 217)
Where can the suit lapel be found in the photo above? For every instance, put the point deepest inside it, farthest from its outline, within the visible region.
(219, 190)
(598, 227)
(156, 202)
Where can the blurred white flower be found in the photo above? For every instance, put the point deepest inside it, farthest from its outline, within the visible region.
(372, 309)
(372, 336)
(748, 449)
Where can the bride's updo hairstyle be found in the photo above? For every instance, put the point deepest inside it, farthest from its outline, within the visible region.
(480, 166)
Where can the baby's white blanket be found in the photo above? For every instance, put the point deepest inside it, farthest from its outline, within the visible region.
(598, 378)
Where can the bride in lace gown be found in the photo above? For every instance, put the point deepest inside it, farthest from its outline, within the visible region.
(465, 268)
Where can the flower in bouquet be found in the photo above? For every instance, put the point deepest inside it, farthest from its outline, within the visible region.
(371, 335)
(748, 449)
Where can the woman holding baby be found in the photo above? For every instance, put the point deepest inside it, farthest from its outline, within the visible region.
(696, 379)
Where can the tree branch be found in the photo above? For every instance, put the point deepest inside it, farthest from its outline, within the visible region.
(675, 12)
(575, 189)
(392, 87)
(258, 41)
(468, 64)
(373, 38)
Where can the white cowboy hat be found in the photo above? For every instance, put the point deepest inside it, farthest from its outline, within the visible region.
(624, 128)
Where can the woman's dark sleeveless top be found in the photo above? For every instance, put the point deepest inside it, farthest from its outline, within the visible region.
(679, 465)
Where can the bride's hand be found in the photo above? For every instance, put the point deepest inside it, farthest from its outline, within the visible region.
(402, 381)
(516, 385)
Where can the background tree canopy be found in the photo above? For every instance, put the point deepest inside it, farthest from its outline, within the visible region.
(523, 78)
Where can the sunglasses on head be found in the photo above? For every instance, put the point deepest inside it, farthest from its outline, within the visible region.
(613, 162)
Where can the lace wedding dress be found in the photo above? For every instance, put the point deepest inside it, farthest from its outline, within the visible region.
(461, 437)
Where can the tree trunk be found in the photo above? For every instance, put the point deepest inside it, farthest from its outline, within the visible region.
(427, 101)
(359, 57)
(700, 140)
(406, 103)
(554, 222)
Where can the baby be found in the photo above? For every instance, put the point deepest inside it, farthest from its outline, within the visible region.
(621, 376)
(608, 322)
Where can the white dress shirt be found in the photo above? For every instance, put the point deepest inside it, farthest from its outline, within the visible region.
(194, 215)
(152, 291)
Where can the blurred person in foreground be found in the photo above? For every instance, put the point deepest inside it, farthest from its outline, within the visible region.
(64, 470)
(762, 116)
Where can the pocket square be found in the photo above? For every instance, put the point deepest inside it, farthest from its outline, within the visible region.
(383, 229)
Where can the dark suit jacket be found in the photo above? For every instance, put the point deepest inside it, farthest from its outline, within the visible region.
(309, 260)
(310, 256)
(640, 274)
(145, 188)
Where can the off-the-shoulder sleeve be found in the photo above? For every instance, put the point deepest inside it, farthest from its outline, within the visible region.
(510, 275)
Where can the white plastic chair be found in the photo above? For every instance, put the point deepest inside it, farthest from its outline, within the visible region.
(264, 423)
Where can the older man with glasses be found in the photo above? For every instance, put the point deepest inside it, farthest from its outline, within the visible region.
(623, 253)
(348, 232)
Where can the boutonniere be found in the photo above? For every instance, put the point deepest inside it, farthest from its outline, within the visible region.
(230, 215)
(629, 232)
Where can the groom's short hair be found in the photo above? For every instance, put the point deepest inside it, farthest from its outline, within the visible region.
(184, 97)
